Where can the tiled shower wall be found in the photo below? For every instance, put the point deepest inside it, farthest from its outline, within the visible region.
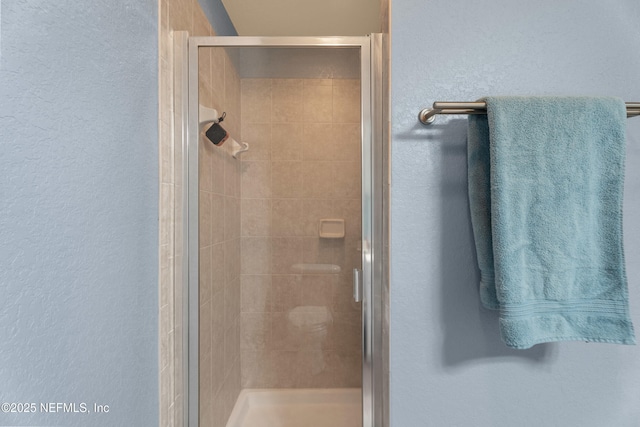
(219, 245)
(220, 88)
(303, 165)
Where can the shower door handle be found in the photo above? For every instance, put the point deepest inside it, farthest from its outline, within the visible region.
(357, 285)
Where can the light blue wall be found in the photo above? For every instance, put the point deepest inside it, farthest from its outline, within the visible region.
(78, 209)
(448, 365)
(218, 17)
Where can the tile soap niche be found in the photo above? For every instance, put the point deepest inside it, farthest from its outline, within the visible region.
(331, 228)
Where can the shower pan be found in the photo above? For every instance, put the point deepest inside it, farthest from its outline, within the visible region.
(282, 243)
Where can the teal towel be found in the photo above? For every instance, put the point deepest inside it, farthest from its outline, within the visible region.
(545, 190)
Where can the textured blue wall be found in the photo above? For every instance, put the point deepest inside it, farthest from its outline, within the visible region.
(78, 210)
(218, 17)
(448, 365)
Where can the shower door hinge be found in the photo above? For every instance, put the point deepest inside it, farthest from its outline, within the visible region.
(357, 285)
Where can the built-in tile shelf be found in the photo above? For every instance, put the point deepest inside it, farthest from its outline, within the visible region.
(331, 228)
(315, 268)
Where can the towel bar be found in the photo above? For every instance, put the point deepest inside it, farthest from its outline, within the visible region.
(428, 115)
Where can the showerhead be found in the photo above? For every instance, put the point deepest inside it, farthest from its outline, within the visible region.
(216, 134)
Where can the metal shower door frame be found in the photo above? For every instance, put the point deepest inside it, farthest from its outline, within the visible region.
(372, 205)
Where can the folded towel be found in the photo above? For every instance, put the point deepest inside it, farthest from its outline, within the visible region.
(545, 190)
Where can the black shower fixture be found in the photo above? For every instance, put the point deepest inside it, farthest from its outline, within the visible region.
(216, 133)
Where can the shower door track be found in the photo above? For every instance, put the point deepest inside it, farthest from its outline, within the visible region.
(186, 52)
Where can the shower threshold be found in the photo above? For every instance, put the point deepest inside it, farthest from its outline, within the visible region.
(320, 407)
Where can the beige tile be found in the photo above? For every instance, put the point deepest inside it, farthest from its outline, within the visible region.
(204, 65)
(201, 27)
(231, 218)
(312, 211)
(316, 369)
(205, 94)
(217, 341)
(206, 274)
(318, 141)
(286, 368)
(285, 252)
(318, 104)
(231, 303)
(286, 179)
(217, 268)
(234, 381)
(347, 331)
(348, 369)
(206, 153)
(319, 251)
(346, 180)
(180, 16)
(317, 180)
(350, 211)
(256, 100)
(346, 142)
(236, 373)
(287, 101)
(287, 217)
(217, 217)
(217, 171)
(256, 217)
(318, 290)
(206, 218)
(255, 331)
(284, 334)
(258, 136)
(206, 327)
(231, 353)
(217, 78)
(230, 172)
(346, 101)
(347, 254)
(255, 293)
(256, 180)
(286, 291)
(219, 412)
(288, 82)
(238, 179)
(317, 82)
(256, 255)
(320, 376)
(232, 260)
(257, 370)
(232, 98)
(286, 141)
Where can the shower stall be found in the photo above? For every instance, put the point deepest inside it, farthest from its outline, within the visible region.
(281, 229)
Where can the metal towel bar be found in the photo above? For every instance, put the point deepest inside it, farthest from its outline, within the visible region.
(428, 115)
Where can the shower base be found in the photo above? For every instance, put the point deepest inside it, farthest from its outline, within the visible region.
(324, 407)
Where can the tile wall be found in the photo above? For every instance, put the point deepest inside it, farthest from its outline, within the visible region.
(303, 165)
(219, 245)
(220, 231)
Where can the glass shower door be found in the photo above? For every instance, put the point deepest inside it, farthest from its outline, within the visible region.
(275, 231)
